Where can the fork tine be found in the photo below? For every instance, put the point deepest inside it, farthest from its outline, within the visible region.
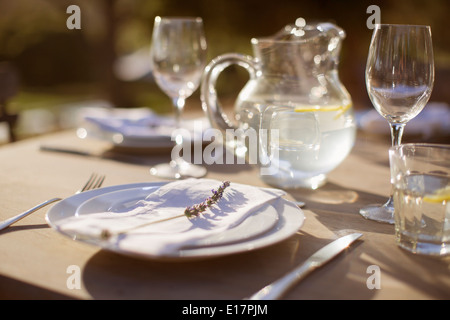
(99, 182)
(88, 183)
(94, 182)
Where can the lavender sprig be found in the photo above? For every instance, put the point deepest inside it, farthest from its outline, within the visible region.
(195, 210)
(188, 212)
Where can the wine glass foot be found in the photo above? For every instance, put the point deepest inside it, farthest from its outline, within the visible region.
(377, 212)
(179, 169)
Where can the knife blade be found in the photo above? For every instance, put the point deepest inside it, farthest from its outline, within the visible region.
(64, 150)
(276, 289)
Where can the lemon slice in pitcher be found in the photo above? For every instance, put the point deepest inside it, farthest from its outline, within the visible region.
(341, 109)
(440, 195)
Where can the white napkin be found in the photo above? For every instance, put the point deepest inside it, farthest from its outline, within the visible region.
(164, 238)
(142, 123)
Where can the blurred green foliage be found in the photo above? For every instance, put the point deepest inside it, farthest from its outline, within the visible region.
(79, 64)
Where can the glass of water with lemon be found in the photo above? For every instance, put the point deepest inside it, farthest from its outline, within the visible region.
(421, 180)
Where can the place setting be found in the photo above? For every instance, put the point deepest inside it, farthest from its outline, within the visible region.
(245, 199)
(181, 220)
(299, 142)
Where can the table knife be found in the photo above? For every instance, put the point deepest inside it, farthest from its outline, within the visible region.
(276, 289)
(64, 150)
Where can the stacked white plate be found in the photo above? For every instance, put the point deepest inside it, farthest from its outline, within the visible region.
(138, 127)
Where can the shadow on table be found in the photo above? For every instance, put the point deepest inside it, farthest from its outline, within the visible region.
(164, 156)
(425, 274)
(14, 228)
(338, 208)
(336, 198)
(110, 276)
(12, 289)
(328, 205)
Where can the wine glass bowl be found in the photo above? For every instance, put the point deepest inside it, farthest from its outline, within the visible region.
(399, 80)
(178, 57)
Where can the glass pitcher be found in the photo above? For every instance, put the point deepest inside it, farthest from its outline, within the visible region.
(293, 109)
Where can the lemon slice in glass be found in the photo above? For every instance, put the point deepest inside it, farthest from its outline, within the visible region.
(341, 109)
(440, 195)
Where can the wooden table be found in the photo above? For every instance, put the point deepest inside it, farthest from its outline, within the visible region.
(36, 262)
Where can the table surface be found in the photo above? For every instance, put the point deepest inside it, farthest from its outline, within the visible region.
(36, 260)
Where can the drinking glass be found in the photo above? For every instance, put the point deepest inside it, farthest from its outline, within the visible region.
(399, 80)
(179, 57)
(421, 181)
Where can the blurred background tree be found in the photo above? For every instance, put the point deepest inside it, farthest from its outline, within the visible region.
(58, 65)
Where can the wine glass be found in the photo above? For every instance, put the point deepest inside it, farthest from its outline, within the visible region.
(179, 57)
(399, 80)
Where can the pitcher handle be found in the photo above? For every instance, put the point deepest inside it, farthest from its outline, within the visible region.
(210, 104)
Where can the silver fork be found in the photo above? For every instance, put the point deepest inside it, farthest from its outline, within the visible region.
(95, 181)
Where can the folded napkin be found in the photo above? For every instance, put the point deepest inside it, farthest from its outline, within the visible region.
(166, 237)
(141, 123)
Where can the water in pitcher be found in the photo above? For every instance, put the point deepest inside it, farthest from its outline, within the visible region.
(310, 140)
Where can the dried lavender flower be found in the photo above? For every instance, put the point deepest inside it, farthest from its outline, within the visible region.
(188, 212)
(209, 202)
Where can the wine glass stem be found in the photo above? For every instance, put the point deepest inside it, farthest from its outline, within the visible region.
(396, 136)
(178, 103)
(396, 133)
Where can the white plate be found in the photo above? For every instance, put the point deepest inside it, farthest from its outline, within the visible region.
(144, 137)
(124, 200)
(290, 219)
(89, 130)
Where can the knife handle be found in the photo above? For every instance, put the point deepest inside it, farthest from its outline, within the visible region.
(277, 289)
